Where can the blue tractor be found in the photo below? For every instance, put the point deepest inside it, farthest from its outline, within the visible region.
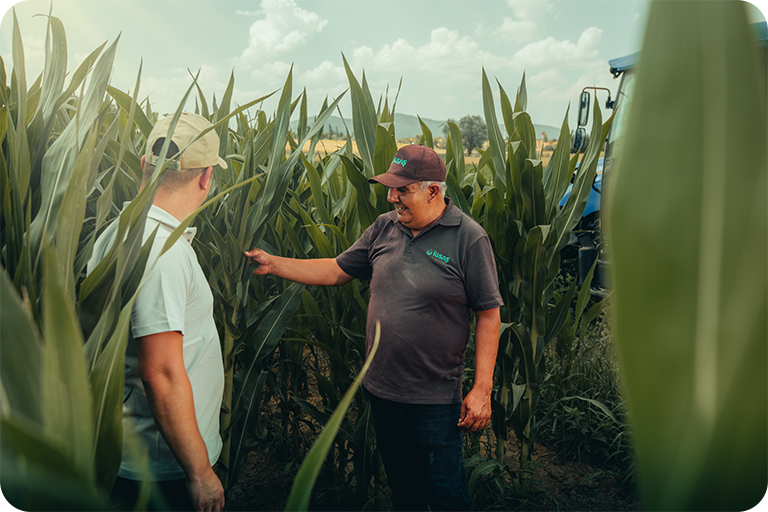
(587, 236)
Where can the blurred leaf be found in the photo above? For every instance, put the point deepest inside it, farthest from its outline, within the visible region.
(689, 274)
(71, 216)
(60, 158)
(37, 474)
(21, 355)
(64, 390)
(107, 380)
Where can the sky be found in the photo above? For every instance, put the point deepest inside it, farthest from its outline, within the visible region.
(438, 48)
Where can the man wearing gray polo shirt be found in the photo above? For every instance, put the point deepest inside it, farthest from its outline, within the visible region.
(174, 374)
(429, 266)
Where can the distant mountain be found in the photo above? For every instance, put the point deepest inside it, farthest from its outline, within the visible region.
(408, 126)
(551, 131)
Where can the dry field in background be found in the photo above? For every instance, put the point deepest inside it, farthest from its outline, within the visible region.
(327, 146)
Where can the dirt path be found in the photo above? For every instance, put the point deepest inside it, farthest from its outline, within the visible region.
(558, 485)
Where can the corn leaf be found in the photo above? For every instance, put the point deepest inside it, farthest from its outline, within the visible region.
(689, 273)
(22, 352)
(495, 139)
(310, 468)
(364, 121)
(66, 398)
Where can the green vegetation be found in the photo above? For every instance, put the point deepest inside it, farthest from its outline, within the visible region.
(690, 280)
(473, 132)
(294, 354)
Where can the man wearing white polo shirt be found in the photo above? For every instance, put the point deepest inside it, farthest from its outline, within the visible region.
(174, 376)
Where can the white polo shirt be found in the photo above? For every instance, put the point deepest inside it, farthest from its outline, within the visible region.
(175, 296)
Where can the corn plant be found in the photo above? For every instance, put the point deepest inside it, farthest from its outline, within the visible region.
(238, 222)
(516, 200)
(327, 211)
(689, 273)
(307, 475)
(61, 426)
(71, 158)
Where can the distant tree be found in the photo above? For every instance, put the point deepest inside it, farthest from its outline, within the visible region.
(473, 131)
(445, 126)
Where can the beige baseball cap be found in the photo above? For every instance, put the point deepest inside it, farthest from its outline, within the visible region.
(203, 153)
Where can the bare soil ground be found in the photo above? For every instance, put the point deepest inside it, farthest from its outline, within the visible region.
(557, 485)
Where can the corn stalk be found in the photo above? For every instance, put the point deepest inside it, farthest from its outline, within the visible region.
(516, 200)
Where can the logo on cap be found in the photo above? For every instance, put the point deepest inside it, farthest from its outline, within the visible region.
(400, 161)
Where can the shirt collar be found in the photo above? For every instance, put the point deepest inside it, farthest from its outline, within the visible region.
(451, 216)
(168, 221)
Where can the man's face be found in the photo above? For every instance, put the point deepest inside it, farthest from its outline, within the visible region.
(412, 205)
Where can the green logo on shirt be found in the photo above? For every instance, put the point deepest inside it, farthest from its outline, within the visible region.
(437, 255)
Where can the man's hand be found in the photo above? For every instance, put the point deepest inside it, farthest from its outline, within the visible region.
(476, 408)
(206, 493)
(263, 259)
(475, 411)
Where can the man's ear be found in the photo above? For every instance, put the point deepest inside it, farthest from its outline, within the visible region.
(143, 158)
(434, 192)
(205, 178)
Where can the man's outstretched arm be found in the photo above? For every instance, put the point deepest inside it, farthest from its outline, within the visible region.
(169, 393)
(320, 271)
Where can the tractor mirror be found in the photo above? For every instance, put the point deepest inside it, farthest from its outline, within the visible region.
(584, 108)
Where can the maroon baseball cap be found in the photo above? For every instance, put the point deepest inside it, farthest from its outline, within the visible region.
(411, 164)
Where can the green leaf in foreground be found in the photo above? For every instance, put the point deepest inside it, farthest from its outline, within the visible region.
(690, 274)
(305, 478)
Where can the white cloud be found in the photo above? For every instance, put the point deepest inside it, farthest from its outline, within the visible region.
(325, 73)
(461, 78)
(516, 30)
(446, 52)
(362, 57)
(271, 75)
(526, 18)
(285, 27)
(566, 54)
(548, 80)
(531, 11)
(165, 93)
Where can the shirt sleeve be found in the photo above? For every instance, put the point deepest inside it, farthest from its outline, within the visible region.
(161, 302)
(356, 261)
(482, 280)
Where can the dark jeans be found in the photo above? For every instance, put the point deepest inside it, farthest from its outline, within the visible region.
(166, 495)
(421, 449)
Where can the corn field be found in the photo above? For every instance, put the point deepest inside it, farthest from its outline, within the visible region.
(71, 147)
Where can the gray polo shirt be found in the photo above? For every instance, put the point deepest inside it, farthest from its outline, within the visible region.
(422, 290)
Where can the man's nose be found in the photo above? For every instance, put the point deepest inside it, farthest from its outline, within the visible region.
(392, 196)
